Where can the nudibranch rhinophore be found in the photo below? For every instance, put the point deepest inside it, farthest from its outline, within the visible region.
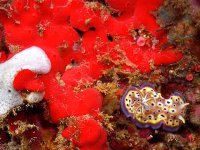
(148, 108)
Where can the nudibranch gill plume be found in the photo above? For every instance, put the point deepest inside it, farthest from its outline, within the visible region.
(148, 108)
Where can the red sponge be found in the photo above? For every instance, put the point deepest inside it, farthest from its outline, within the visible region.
(125, 7)
(64, 101)
(27, 80)
(87, 102)
(3, 56)
(87, 134)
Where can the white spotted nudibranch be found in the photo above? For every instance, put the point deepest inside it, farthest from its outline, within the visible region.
(148, 108)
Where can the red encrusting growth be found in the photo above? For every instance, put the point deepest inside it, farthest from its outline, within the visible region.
(86, 133)
(3, 56)
(27, 80)
(103, 41)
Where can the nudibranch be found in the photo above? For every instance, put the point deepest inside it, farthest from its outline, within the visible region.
(34, 59)
(148, 108)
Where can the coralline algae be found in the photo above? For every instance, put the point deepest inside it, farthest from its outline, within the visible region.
(33, 59)
(148, 108)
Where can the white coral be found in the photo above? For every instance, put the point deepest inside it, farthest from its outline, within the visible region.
(33, 59)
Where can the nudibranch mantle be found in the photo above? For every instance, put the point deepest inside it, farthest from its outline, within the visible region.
(148, 108)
